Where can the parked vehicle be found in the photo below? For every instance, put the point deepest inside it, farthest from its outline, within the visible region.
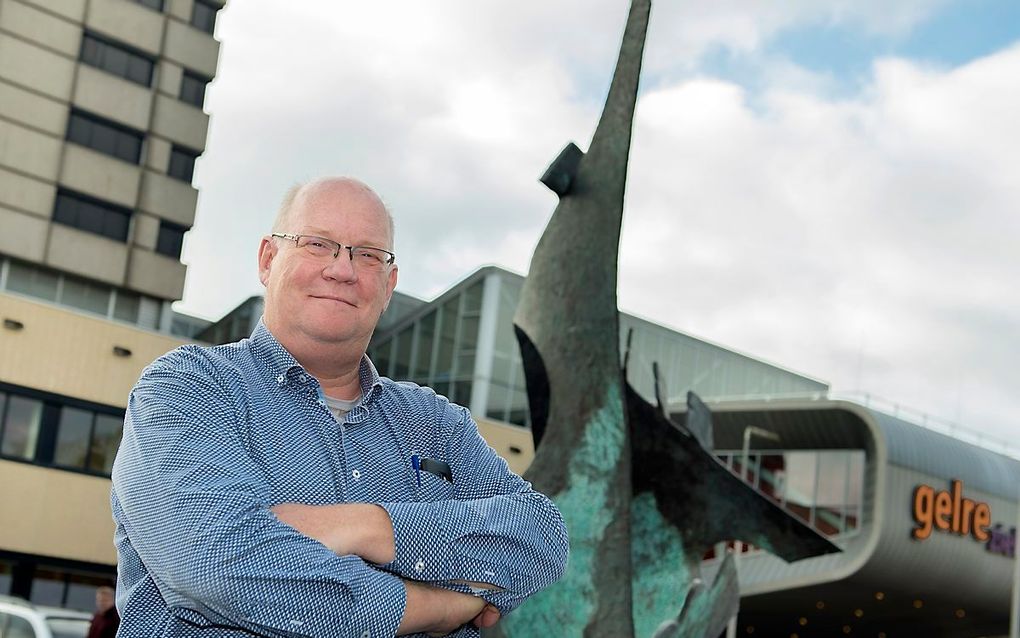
(21, 619)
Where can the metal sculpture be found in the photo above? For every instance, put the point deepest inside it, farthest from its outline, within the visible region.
(643, 497)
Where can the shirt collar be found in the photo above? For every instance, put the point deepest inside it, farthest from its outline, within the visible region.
(284, 366)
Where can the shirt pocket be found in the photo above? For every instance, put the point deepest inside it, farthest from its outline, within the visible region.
(433, 488)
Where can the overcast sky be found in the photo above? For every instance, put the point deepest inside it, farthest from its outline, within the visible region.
(831, 186)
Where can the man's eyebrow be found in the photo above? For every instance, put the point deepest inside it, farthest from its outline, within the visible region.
(321, 232)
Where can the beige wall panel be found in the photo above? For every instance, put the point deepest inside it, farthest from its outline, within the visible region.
(29, 151)
(112, 97)
(155, 274)
(191, 48)
(170, 75)
(29, 195)
(157, 154)
(44, 28)
(35, 67)
(146, 231)
(54, 513)
(86, 254)
(128, 22)
(70, 353)
(168, 198)
(102, 176)
(73, 9)
(23, 236)
(180, 9)
(502, 438)
(33, 109)
(180, 122)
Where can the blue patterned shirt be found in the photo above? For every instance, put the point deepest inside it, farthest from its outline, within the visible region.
(214, 437)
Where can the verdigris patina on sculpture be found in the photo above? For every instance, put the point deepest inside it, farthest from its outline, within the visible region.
(643, 497)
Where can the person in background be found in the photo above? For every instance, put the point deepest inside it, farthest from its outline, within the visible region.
(105, 621)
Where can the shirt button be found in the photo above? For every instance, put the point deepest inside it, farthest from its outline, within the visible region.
(279, 379)
(356, 474)
(419, 566)
(366, 634)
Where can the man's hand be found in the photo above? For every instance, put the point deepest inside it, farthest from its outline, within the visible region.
(438, 612)
(361, 529)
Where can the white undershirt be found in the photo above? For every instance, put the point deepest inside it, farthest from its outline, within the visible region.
(340, 407)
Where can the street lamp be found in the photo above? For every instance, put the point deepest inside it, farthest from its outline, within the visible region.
(745, 452)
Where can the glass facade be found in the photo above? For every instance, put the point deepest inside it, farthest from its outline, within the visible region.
(463, 345)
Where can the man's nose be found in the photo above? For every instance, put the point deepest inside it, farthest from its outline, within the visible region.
(342, 267)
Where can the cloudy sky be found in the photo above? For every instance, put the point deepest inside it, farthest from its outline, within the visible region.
(831, 185)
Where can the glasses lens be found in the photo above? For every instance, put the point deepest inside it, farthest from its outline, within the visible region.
(317, 246)
(369, 258)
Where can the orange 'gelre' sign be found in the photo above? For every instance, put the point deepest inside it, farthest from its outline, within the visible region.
(949, 511)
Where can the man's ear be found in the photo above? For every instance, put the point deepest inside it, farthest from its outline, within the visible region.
(391, 283)
(267, 250)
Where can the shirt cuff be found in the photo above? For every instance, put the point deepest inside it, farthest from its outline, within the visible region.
(424, 538)
(379, 591)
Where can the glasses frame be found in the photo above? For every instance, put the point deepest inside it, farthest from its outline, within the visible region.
(336, 251)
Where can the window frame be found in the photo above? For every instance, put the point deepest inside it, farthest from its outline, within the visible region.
(49, 426)
(107, 207)
(100, 62)
(129, 135)
(170, 226)
(190, 76)
(178, 150)
(205, 26)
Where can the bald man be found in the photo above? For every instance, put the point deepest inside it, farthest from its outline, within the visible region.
(278, 486)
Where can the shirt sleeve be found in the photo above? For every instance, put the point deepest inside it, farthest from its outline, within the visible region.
(495, 529)
(195, 509)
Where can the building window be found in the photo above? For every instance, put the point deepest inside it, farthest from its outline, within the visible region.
(104, 136)
(155, 5)
(193, 88)
(68, 290)
(91, 215)
(21, 424)
(203, 16)
(171, 236)
(182, 163)
(56, 431)
(117, 59)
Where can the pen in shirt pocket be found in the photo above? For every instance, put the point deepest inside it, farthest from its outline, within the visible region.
(440, 469)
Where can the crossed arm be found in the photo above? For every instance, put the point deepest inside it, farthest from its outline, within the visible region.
(365, 530)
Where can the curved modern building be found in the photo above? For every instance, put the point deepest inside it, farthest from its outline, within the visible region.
(926, 522)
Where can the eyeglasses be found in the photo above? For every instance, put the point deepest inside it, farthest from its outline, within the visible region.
(363, 257)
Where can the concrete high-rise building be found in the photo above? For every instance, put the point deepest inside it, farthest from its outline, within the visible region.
(101, 121)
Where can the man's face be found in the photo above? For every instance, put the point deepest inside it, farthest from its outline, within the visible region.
(327, 301)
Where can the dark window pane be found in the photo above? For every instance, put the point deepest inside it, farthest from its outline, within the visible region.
(182, 163)
(203, 16)
(171, 237)
(21, 427)
(117, 59)
(105, 441)
(73, 437)
(104, 136)
(156, 5)
(92, 216)
(193, 89)
(426, 334)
